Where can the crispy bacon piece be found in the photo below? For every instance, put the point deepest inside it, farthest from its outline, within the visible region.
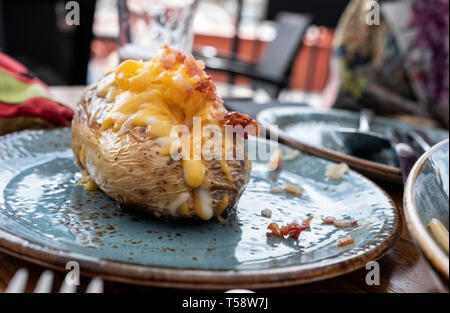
(192, 67)
(348, 240)
(206, 86)
(291, 230)
(180, 57)
(307, 222)
(237, 118)
(275, 229)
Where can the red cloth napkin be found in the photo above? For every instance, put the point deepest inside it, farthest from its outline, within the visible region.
(23, 95)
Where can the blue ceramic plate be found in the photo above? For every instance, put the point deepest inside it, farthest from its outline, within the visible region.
(426, 197)
(46, 218)
(312, 130)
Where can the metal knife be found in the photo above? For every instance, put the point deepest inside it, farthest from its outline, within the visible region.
(405, 153)
(421, 139)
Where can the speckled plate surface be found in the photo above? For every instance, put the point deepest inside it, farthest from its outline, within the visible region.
(311, 130)
(46, 218)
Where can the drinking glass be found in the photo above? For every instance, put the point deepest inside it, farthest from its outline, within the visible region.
(146, 25)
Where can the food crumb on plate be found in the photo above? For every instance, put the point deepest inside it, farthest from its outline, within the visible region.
(337, 171)
(345, 223)
(290, 230)
(347, 240)
(291, 155)
(275, 159)
(276, 190)
(266, 213)
(293, 189)
(342, 223)
(328, 220)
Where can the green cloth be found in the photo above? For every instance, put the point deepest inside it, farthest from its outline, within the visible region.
(13, 90)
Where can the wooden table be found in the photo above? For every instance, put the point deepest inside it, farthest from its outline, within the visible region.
(402, 269)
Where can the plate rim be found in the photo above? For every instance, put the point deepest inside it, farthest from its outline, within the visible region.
(371, 168)
(426, 243)
(175, 277)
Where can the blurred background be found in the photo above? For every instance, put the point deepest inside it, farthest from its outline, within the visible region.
(276, 49)
(215, 25)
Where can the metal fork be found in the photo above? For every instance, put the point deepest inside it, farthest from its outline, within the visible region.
(45, 282)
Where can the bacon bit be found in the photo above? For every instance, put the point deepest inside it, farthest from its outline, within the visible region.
(180, 57)
(348, 240)
(307, 222)
(237, 118)
(345, 223)
(206, 86)
(275, 229)
(291, 230)
(328, 220)
(192, 66)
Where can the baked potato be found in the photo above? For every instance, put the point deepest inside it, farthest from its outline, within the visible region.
(123, 138)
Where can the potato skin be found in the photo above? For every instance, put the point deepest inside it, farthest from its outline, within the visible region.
(127, 166)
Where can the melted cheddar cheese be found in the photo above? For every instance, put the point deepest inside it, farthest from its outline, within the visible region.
(221, 207)
(171, 89)
(87, 182)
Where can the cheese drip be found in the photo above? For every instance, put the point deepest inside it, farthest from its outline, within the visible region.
(87, 182)
(85, 179)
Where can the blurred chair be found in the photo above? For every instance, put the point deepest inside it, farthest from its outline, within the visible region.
(274, 70)
(323, 12)
(36, 34)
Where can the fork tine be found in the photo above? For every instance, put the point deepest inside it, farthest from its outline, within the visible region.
(66, 288)
(45, 282)
(95, 286)
(18, 282)
(239, 291)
